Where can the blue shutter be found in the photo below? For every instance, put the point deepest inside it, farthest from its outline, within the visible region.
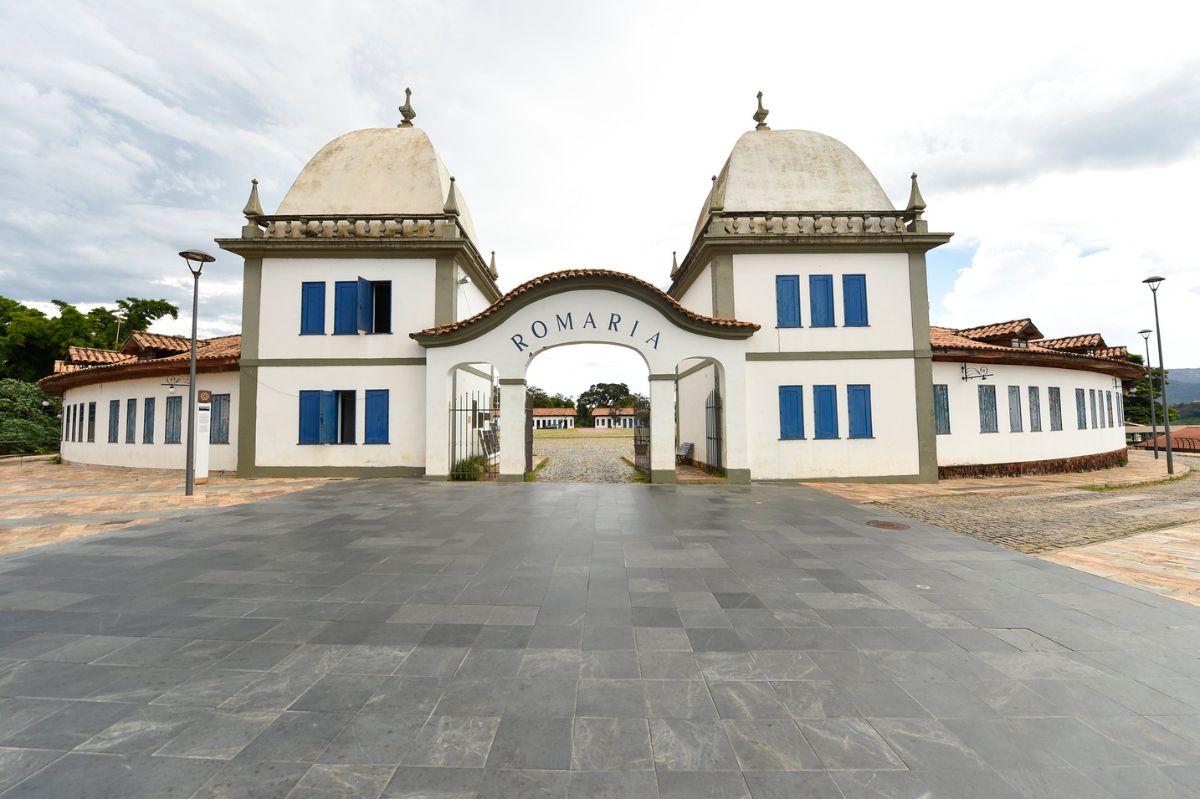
(345, 307)
(791, 412)
(858, 398)
(1015, 424)
(130, 420)
(820, 295)
(854, 300)
(1055, 408)
(825, 421)
(1035, 408)
(148, 422)
(174, 421)
(787, 300)
(376, 403)
(218, 429)
(310, 417)
(114, 420)
(1092, 403)
(987, 409)
(366, 306)
(941, 408)
(329, 418)
(312, 308)
(1080, 409)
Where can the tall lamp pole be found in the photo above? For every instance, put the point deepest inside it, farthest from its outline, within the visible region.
(196, 259)
(1145, 333)
(1153, 283)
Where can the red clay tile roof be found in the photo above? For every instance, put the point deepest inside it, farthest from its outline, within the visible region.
(82, 356)
(620, 412)
(569, 274)
(211, 354)
(1186, 438)
(554, 412)
(157, 341)
(1002, 330)
(1086, 341)
(947, 339)
(1117, 353)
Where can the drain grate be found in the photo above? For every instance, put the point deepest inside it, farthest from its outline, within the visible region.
(888, 526)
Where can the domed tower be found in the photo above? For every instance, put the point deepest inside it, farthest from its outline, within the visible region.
(373, 239)
(798, 236)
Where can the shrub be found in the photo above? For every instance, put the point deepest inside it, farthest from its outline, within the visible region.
(470, 469)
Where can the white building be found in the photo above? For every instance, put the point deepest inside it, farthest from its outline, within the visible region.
(793, 342)
(614, 417)
(560, 418)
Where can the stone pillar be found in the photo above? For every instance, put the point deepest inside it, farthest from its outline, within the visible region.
(662, 429)
(512, 429)
(438, 391)
(733, 400)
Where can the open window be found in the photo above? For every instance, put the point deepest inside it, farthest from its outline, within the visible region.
(374, 306)
(327, 417)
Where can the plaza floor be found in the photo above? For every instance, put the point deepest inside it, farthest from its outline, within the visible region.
(402, 638)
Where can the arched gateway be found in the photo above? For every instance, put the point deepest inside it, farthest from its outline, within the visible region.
(588, 306)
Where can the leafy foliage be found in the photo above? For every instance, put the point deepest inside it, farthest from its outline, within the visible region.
(470, 469)
(539, 399)
(27, 426)
(30, 341)
(1137, 402)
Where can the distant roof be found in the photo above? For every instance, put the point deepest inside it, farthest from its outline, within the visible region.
(999, 330)
(212, 355)
(554, 412)
(993, 343)
(1185, 438)
(143, 340)
(616, 412)
(1085, 341)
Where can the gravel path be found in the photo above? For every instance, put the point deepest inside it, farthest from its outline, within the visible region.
(584, 460)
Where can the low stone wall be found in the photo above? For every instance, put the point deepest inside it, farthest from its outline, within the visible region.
(1114, 458)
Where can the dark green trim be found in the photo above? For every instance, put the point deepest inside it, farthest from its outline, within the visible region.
(737, 476)
(663, 476)
(505, 478)
(631, 287)
(436, 477)
(247, 447)
(831, 355)
(512, 381)
(722, 286)
(662, 376)
(331, 472)
(918, 478)
(445, 292)
(705, 364)
(333, 362)
(918, 293)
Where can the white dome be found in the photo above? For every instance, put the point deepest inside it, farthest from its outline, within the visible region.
(376, 171)
(796, 171)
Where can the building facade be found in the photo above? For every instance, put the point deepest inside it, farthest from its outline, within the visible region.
(792, 343)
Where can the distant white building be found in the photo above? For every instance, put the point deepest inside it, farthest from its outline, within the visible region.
(554, 417)
(614, 418)
(793, 341)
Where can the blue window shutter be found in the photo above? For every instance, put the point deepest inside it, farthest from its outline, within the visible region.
(114, 420)
(377, 416)
(787, 300)
(1035, 408)
(345, 307)
(1092, 403)
(941, 408)
(130, 420)
(987, 409)
(366, 306)
(820, 295)
(174, 422)
(825, 421)
(791, 412)
(218, 429)
(858, 398)
(1015, 422)
(310, 417)
(854, 300)
(1055, 395)
(329, 418)
(312, 308)
(148, 422)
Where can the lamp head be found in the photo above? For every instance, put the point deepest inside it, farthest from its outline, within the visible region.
(197, 257)
(1153, 282)
(1145, 333)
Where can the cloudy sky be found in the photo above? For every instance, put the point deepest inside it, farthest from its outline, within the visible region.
(1059, 144)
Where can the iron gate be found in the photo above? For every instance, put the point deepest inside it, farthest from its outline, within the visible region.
(641, 439)
(474, 438)
(714, 455)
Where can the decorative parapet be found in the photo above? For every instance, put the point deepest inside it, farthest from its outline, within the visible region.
(352, 226)
(818, 223)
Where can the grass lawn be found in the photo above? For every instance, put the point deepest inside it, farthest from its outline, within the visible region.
(583, 433)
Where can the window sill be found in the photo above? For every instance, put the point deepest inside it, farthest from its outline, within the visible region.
(826, 438)
(312, 333)
(860, 437)
(345, 333)
(376, 443)
(377, 333)
(788, 327)
(856, 326)
(793, 439)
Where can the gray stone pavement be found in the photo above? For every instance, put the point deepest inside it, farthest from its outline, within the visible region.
(585, 459)
(402, 638)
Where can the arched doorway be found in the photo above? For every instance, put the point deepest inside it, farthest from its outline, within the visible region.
(600, 307)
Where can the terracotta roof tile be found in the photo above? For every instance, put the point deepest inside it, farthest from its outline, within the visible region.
(951, 339)
(1086, 341)
(554, 412)
(94, 355)
(159, 341)
(581, 273)
(226, 349)
(1000, 330)
(620, 412)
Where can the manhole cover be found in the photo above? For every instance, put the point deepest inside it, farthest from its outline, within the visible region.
(888, 526)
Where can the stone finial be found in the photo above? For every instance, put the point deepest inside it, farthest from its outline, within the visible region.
(674, 263)
(915, 201)
(252, 212)
(406, 110)
(451, 206)
(716, 203)
(760, 116)
(492, 266)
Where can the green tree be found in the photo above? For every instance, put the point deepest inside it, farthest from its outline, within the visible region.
(28, 418)
(1137, 402)
(30, 341)
(599, 395)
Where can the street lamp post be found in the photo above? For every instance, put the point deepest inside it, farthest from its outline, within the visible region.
(199, 259)
(1153, 283)
(1145, 333)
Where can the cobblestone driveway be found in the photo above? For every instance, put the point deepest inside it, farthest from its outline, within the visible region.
(585, 459)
